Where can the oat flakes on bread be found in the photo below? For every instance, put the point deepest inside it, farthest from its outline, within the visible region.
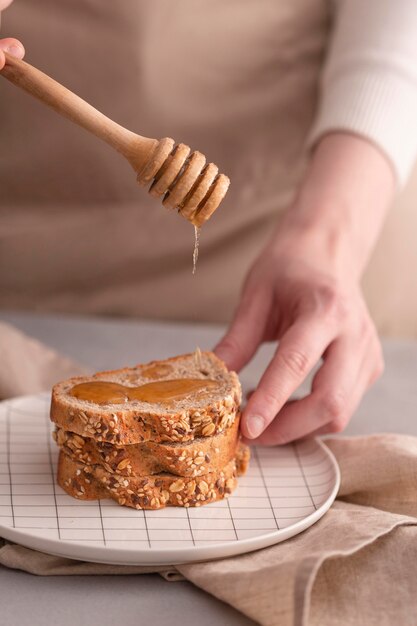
(200, 413)
(190, 458)
(93, 482)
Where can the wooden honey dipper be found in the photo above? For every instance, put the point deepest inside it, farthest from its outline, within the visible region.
(181, 177)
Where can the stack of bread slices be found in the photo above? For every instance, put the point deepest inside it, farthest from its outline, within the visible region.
(164, 433)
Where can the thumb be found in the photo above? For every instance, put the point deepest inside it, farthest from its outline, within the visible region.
(246, 331)
(13, 47)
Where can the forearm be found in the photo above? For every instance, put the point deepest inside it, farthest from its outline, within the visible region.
(369, 79)
(341, 204)
(304, 291)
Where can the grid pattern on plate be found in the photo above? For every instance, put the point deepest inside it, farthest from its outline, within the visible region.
(283, 485)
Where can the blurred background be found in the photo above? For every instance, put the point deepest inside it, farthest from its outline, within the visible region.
(70, 204)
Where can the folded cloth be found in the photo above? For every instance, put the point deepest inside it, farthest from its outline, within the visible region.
(357, 565)
(28, 366)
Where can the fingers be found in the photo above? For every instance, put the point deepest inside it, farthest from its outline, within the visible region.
(332, 386)
(13, 47)
(299, 350)
(246, 331)
(337, 390)
(4, 4)
(372, 368)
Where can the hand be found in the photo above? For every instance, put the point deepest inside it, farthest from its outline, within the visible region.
(304, 291)
(13, 47)
(10, 45)
(291, 295)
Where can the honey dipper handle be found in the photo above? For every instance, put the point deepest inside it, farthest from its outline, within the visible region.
(134, 147)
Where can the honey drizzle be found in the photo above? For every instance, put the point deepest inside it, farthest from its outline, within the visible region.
(197, 231)
(161, 391)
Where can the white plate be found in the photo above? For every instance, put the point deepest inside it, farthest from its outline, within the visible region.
(286, 490)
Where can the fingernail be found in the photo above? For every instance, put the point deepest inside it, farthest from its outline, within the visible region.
(255, 426)
(15, 51)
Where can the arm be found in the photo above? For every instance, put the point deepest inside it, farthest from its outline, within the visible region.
(369, 82)
(304, 289)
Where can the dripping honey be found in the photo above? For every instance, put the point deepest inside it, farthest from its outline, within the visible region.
(196, 247)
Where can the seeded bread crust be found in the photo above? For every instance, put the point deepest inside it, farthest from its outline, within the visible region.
(93, 482)
(195, 458)
(136, 422)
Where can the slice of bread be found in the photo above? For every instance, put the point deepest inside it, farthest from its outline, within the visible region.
(93, 482)
(199, 412)
(191, 458)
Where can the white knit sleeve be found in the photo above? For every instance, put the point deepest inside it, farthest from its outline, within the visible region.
(369, 82)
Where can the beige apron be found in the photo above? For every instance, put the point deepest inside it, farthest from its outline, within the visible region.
(237, 80)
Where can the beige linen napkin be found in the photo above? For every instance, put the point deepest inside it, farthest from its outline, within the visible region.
(28, 366)
(358, 565)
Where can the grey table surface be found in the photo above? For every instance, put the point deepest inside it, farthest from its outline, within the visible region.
(390, 406)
